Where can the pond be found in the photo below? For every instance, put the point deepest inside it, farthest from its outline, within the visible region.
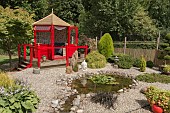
(95, 88)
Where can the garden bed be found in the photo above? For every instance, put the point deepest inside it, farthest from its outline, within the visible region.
(50, 85)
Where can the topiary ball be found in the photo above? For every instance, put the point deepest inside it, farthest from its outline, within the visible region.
(149, 64)
(95, 60)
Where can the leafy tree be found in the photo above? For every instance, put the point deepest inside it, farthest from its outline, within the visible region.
(37, 7)
(115, 17)
(68, 10)
(142, 24)
(159, 10)
(15, 28)
(105, 45)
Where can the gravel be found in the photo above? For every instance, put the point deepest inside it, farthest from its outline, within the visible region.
(45, 86)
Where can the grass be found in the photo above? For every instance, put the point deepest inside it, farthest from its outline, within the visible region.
(5, 59)
(151, 78)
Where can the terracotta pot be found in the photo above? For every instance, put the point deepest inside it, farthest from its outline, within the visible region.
(157, 109)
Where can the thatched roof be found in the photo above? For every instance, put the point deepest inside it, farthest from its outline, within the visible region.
(51, 19)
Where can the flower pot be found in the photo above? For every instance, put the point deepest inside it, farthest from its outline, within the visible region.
(157, 109)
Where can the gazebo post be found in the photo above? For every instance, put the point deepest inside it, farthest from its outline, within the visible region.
(35, 35)
(52, 41)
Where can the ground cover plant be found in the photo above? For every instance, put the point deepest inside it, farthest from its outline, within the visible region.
(16, 96)
(151, 78)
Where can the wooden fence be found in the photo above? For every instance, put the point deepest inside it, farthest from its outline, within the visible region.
(149, 54)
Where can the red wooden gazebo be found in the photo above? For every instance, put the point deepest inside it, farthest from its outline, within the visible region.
(54, 39)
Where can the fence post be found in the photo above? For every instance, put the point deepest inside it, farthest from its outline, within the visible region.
(96, 42)
(158, 40)
(124, 50)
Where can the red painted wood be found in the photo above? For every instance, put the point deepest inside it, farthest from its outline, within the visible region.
(157, 109)
(52, 41)
(35, 37)
(25, 53)
(31, 55)
(38, 54)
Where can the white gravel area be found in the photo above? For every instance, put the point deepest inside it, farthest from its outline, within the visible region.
(45, 86)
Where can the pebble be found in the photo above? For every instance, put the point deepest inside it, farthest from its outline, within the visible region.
(79, 111)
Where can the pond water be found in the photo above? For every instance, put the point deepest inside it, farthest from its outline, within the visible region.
(95, 88)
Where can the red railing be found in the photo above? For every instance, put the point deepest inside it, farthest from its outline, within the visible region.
(36, 52)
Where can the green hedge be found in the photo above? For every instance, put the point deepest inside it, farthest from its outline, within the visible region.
(140, 45)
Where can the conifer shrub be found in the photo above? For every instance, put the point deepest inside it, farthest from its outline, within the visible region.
(143, 64)
(105, 45)
(95, 60)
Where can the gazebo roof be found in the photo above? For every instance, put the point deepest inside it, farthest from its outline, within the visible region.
(51, 19)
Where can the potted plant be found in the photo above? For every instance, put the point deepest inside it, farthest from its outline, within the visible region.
(158, 99)
(166, 69)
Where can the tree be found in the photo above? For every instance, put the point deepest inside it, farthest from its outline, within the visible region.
(142, 24)
(37, 7)
(15, 28)
(115, 17)
(68, 10)
(159, 10)
(105, 45)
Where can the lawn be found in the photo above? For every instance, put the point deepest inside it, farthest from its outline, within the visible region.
(5, 59)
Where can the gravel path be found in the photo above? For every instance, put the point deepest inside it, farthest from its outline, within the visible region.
(45, 86)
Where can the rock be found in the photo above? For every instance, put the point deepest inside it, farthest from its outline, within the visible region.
(120, 91)
(69, 70)
(76, 102)
(79, 111)
(115, 66)
(74, 108)
(36, 70)
(134, 81)
(78, 97)
(88, 95)
(62, 102)
(82, 96)
(54, 103)
(143, 90)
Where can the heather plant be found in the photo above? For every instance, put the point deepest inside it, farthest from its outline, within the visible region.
(105, 45)
(95, 60)
(143, 64)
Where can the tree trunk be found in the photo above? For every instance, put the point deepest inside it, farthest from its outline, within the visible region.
(10, 59)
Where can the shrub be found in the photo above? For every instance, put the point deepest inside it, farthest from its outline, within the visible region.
(158, 97)
(143, 64)
(167, 57)
(105, 45)
(137, 62)
(111, 59)
(153, 77)
(149, 64)
(95, 60)
(166, 68)
(5, 80)
(125, 62)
